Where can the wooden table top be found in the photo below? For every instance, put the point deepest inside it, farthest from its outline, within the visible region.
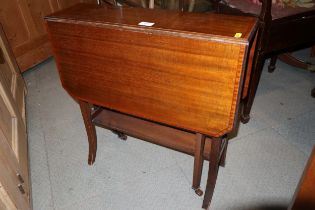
(185, 71)
(204, 25)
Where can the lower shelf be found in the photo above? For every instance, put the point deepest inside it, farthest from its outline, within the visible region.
(163, 135)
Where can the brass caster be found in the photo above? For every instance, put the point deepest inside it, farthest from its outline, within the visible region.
(199, 192)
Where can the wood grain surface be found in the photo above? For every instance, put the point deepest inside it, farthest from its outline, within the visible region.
(185, 71)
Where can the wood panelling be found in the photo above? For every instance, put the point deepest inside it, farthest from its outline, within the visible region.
(13, 23)
(23, 24)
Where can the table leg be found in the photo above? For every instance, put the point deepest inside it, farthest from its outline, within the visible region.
(198, 162)
(272, 64)
(254, 81)
(223, 155)
(213, 170)
(90, 130)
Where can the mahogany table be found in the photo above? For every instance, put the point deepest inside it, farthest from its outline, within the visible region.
(171, 78)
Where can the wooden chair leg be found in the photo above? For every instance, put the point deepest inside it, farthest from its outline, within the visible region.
(213, 171)
(272, 64)
(198, 163)
(90, 130)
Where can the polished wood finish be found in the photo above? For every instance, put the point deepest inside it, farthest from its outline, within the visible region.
(23, 23)
(14, 171)
(159, 134)
(90, 128)
(304, 197)
(168, 91)
(213, 171)
(177, 84)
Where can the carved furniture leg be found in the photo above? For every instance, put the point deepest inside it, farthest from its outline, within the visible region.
(213, 170)
(198, 162)
(90, 130)
(272, 64)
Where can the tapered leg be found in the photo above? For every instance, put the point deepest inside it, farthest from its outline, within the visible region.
(90, 130)
(254, 81)
(213, 171)
(198, 162)
(223, 149)
(272, 64)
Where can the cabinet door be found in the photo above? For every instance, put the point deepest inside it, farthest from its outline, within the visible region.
(14, 176)
(23, 24)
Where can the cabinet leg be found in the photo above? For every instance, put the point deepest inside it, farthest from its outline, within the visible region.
(213, 171)
(90, 130)
(198, 162)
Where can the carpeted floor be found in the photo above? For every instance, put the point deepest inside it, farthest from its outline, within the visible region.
(264, 161)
